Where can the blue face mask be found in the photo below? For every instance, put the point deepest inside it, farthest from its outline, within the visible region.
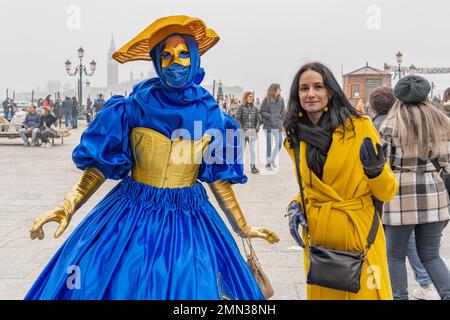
(176, 75)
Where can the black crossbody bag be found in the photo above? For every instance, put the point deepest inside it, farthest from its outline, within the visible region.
(335, 269)
(444, 175)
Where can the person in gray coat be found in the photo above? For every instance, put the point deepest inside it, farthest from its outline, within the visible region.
(67, 107)
(247, 116)
(7, 109)
(272, 114)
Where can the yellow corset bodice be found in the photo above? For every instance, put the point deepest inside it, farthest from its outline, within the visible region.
(162, 163)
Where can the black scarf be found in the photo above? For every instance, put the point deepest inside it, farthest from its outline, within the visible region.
(318, 140)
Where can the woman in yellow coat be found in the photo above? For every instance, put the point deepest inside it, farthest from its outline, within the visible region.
(340, 173)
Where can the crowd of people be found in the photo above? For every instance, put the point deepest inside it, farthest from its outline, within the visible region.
(251, 115)
(69, 109)
(43, 119)
(9, 108)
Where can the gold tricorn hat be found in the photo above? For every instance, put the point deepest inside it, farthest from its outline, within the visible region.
(139, 48)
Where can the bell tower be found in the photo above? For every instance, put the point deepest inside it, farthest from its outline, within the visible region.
(113, 66)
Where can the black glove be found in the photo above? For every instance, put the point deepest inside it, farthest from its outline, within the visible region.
(372, 162)
(296, 218)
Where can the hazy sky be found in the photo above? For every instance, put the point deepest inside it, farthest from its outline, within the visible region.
(261, 42)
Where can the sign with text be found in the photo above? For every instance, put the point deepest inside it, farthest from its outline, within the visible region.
(423, 70)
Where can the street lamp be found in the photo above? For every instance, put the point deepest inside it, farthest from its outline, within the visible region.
(93, 65)
(81, 53)
(399, 57)
(399, 72)
(68, 65)
(80, 70)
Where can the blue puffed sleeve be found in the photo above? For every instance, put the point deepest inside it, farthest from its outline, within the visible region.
(104, 144)
(224, 156)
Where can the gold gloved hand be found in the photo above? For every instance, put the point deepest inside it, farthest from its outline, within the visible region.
(224, 194)
(90, 181)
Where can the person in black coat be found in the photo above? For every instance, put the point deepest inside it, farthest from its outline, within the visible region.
(47, 126)
(75, 112)
(57, 111)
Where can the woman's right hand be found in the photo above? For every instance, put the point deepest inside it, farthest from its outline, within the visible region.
(59, 214)
(260, 232)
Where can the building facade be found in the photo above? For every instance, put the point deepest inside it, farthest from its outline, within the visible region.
(359, 84)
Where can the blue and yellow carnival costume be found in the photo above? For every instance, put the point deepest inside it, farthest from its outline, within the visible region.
(155, 235)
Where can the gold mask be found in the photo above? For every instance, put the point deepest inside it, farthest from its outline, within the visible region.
(175, 51)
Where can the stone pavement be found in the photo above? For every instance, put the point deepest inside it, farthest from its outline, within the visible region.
(33, 180)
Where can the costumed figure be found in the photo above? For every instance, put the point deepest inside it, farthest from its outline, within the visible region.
(156, 235)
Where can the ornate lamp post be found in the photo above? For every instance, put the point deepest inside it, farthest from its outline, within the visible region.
(399, 72)
(80, 70)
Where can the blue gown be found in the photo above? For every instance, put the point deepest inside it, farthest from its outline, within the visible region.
(143, 242)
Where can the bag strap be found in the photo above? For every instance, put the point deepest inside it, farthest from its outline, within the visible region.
(436, 164)
(251, 251)
(375, 224)
(377, 203)
(300, 184)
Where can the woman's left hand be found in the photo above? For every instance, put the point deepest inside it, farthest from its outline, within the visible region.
(372, 162)
(296, 218)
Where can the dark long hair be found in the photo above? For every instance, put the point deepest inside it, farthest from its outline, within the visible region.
(272, 91)
(339, 107)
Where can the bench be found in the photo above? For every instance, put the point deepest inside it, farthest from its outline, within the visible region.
(10, 131)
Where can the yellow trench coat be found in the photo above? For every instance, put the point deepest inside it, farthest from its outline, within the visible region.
(340, 210)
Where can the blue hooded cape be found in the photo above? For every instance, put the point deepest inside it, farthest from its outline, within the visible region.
(156, 105)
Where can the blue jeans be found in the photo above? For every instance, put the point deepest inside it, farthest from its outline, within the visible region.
(68, 120)
(251, 136)
(74, 121)
(6, 113)
(428, 241)
(420, 274)
(277, 136)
